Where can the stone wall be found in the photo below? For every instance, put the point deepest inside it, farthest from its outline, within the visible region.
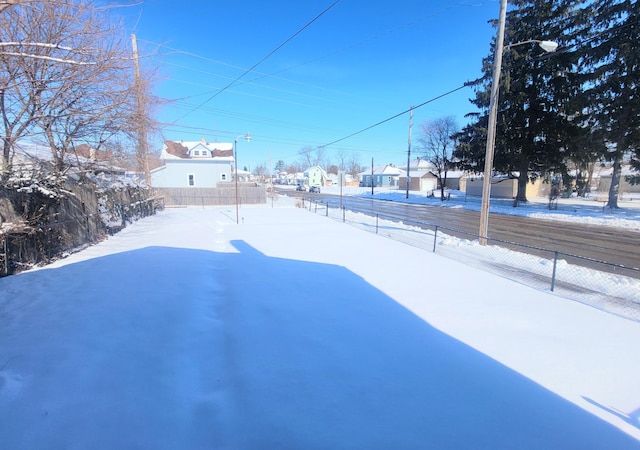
(40, 224)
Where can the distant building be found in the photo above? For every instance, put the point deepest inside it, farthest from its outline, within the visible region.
(382, 176)
(194, 164)
(315, 176)
(419, 180)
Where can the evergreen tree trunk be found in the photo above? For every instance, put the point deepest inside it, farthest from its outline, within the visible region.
(523, 179)
(614, 189)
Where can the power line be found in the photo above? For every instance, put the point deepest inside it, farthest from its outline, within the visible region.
(396, 116)
(262, 60)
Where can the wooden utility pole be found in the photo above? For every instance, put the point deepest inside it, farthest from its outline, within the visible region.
(408, 178)
(142, 151)
(372, 183)
(491, 129)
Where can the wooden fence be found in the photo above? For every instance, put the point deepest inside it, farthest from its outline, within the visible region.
(224, 194)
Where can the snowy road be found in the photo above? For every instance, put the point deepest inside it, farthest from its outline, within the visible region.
(289, 330)
(590, 241)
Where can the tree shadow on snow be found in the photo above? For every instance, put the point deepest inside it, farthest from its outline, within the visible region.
(178, 348)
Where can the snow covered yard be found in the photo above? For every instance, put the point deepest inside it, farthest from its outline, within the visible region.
(186, 330)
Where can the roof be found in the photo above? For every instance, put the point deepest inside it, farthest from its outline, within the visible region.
(181, 149)
(387, 169)
(421, 173)
(28, 153)
(315, 168)
(626, 170)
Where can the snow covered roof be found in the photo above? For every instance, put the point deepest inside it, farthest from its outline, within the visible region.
(420, 163)
(189, 149)
(315, 168)
(626, 170)
(28, 153)
(387, 169)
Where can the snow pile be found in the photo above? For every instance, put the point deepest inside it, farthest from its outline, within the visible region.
(186, 330)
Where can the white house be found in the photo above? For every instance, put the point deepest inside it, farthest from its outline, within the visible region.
(194, 164)
(315, 176)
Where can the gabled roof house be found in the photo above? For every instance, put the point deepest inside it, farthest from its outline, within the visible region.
(315, 176)
(387, 175)
(194, 164)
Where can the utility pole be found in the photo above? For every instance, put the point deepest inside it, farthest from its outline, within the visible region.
(491, 129)
(409, 151)
(372, 183)
(271, 179)
(142, 153)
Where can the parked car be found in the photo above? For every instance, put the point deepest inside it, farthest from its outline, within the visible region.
(301, 187)
(315, 189)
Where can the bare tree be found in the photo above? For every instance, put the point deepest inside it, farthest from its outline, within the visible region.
(66, 76)
(436, 143)
(261, 171)
(342, 157)
(4, 4)
(295, 167)
(354, 167)
(312, 156)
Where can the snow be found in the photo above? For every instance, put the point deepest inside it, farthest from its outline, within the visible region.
(590, 210)
(290, 330)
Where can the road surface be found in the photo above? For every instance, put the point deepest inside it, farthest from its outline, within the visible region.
(617, 246)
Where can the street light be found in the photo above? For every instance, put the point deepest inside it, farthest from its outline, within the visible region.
(235, 161)
(548, 46)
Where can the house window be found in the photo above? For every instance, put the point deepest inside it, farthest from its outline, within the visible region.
(223, 177)
(196, 153)
(192, 180)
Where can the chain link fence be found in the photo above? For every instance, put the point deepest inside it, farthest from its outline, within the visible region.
(604, 285)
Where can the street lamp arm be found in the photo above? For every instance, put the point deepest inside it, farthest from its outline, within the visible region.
(547, 46)
(245, 136)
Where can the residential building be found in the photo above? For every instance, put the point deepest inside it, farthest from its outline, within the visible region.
(194, 164)
(315, 176)
(382, 176)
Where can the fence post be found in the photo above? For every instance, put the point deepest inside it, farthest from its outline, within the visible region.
(327, 209)
(377, 223)
(344, 214)
(555, 266)
(435, 238)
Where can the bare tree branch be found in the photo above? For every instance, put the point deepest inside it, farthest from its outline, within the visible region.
(67, 78)
(436, 143)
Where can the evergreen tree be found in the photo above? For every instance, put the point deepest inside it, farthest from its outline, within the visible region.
(613, 54)
(537, 108)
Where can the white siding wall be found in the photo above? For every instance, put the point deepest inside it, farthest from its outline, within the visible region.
(206, 173)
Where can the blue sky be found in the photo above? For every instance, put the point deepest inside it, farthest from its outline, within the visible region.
(360, 63)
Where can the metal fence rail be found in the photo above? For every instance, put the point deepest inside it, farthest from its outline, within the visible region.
(607, 286)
